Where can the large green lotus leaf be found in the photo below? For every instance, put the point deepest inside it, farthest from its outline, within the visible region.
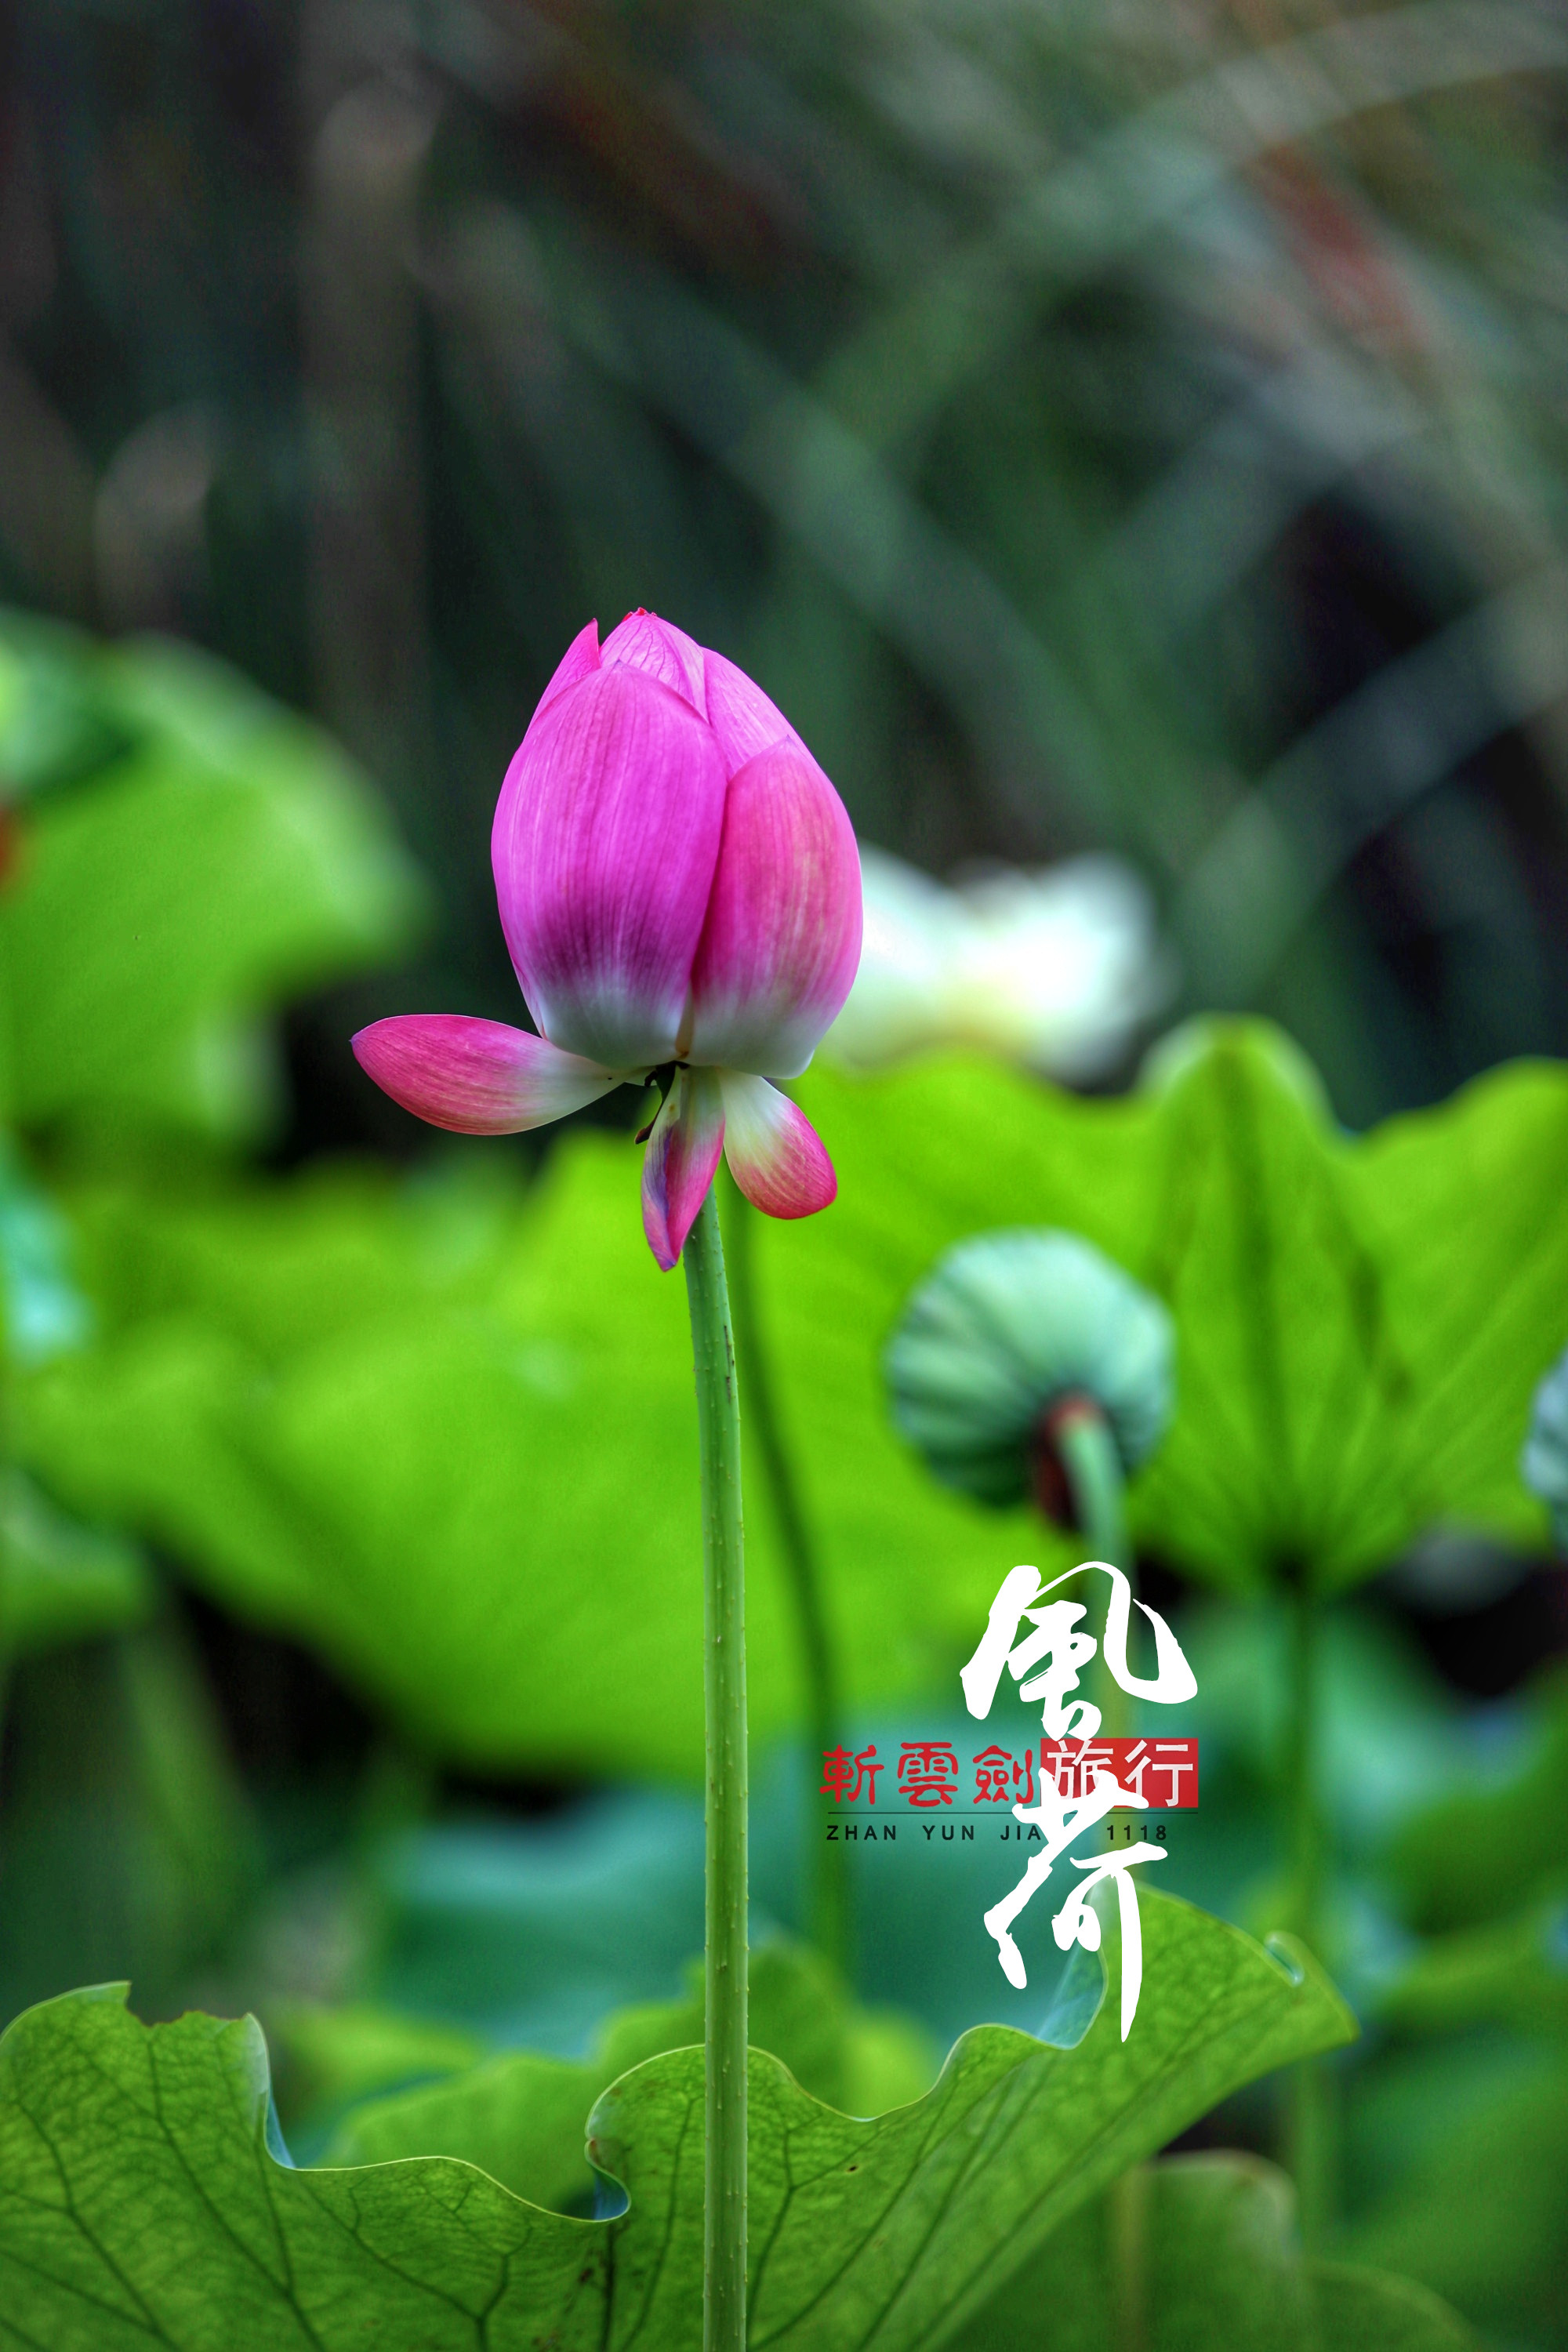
(140, 2196)
(276, 1267)
(1471, 1856)
(862, 2061)
(520, 2117)
(54, 726)
(1377, 2312)
(129, 1845)
(449, 1440)
(1221, 2264)
(1465, 1210)
(61, 1581)
(1510, 1972)
(1331, 1400)
(42, 1308)
(333, 2056)
(452, 1441)
(224, 855)
(1462, 2151)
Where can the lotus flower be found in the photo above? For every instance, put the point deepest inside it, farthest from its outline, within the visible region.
(679, 888)
(1055, 969)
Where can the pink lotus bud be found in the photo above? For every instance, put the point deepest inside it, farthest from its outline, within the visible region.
(677, 877)
(679, 883)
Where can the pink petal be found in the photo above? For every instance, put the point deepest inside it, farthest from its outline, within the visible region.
(775, 1153)
(605, 839)
(477, 1077)
(644, 642)
(678, 1167)
(741, 715)
(783, 934)
(580, 659)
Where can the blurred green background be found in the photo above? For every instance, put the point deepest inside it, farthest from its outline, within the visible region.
(1122, 433)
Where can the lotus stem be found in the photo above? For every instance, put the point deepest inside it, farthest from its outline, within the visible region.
(724, 1695)
(827, 1886)
(1309, 2123)
(1086, 1447)
(1083, 1442)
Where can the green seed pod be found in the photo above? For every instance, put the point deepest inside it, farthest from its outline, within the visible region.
(1006, 1326)
(1543, 1465)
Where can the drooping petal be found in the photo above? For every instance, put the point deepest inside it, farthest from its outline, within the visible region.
(476, 1078)
(581, 658)
(606, 840)
(678, 1167)
(782, 934)
(775, 1154)
(659, 649)
(740, 713)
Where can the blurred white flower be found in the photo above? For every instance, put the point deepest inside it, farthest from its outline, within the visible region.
(1056, 969)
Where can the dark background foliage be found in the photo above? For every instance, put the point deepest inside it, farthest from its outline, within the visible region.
(1082, 459)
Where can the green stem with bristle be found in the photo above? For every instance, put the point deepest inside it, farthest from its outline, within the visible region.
(1086, 1450)
(1307, 2122)
(724, 1695)
(827, 1886)
(1086, 1447)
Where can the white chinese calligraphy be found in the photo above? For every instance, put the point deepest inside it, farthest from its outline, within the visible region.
(1056, 1640)
(1046, 1664)
(1077, 1923)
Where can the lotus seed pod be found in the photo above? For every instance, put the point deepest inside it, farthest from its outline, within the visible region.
(1543, 1465)
(1006, 1326)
